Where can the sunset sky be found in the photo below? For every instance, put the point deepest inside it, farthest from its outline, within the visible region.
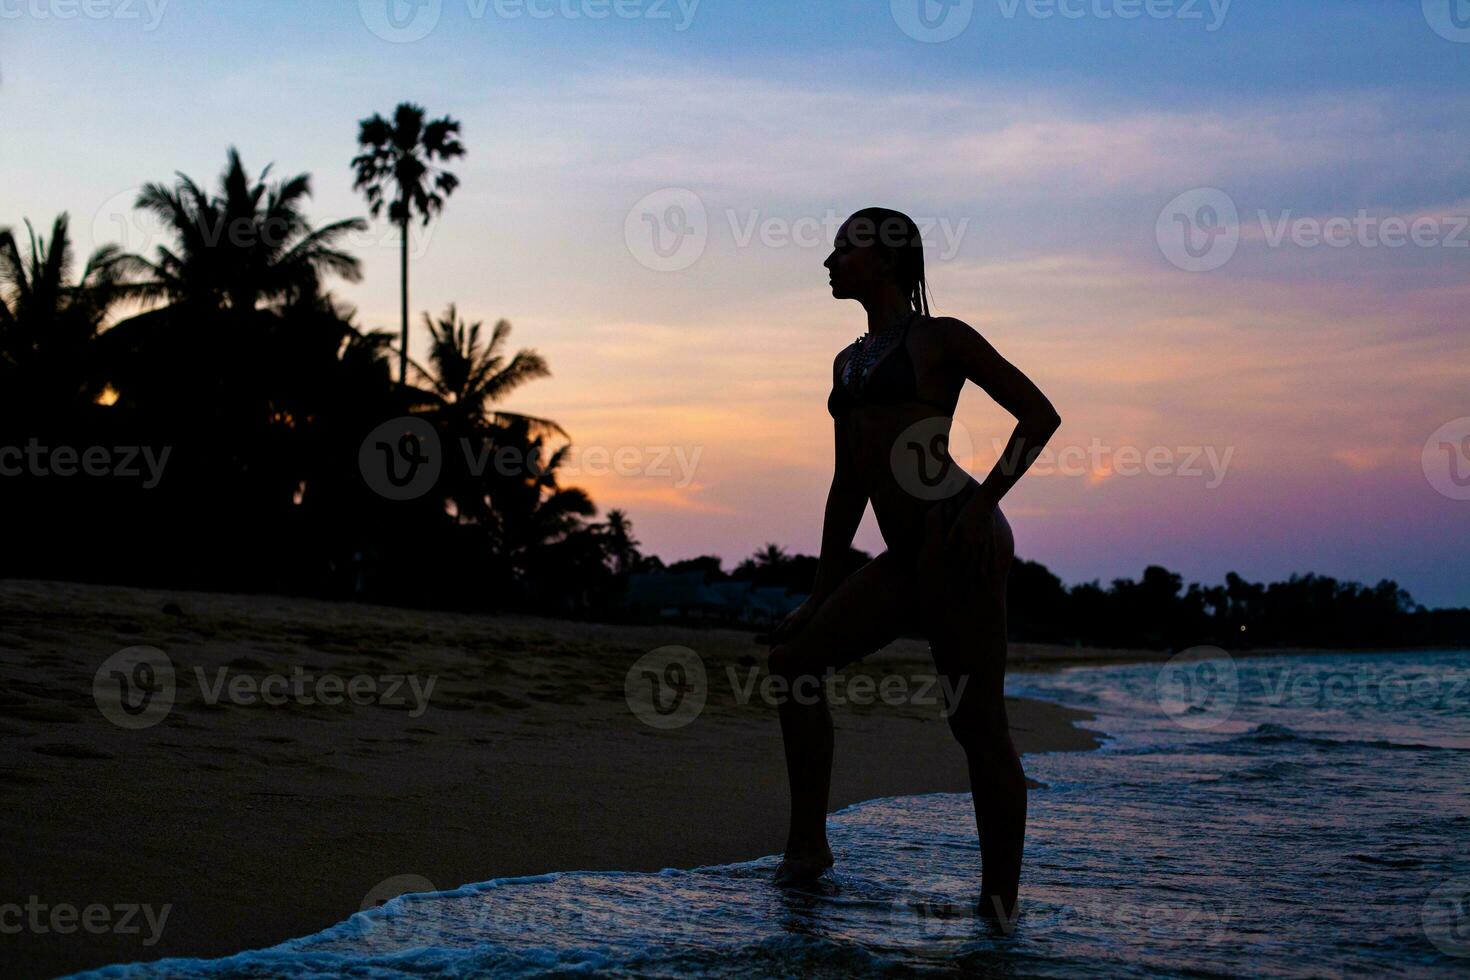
(1300, 379)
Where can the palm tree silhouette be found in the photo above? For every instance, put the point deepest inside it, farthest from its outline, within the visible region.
(400, 156)
(247, 244)
(47, 322)
(771, 556)
(622, 547)
(468, 375)
(465, 378)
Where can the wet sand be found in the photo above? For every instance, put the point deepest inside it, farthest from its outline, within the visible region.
(516, 753)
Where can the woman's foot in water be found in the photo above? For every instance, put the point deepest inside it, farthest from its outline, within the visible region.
(998, 910)
(802, 866)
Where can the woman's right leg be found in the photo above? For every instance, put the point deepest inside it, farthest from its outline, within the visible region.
(863, 615)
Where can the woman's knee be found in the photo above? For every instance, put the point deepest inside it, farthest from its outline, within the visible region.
(981, 733)
(788, 661)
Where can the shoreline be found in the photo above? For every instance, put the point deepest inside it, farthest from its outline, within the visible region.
(257, 823)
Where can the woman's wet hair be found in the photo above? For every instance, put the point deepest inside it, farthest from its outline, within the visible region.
(896, 232)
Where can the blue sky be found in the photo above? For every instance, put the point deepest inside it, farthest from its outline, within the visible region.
(1050, 146)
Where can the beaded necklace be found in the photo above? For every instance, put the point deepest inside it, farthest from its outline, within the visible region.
(869, 349)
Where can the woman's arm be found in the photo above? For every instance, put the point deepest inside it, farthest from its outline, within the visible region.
(846, 501)
(1036, 419)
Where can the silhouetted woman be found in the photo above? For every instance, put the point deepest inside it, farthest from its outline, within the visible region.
(949, 547)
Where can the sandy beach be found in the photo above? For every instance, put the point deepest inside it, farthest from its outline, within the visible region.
(479, 747)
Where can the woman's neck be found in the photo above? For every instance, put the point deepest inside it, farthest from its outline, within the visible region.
(882, 316)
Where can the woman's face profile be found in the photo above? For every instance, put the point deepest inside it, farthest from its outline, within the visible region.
(855, 265)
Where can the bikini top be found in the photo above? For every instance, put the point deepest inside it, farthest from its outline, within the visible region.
(888, 382)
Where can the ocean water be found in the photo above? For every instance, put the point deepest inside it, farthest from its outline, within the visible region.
(1291, 816)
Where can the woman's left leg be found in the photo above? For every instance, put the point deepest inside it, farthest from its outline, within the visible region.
(964, 608)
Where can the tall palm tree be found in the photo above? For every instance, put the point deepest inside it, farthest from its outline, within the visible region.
(47, 321)
(250, 243)
(401, 157)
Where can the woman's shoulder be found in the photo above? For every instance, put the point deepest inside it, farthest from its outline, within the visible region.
(945, 335)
